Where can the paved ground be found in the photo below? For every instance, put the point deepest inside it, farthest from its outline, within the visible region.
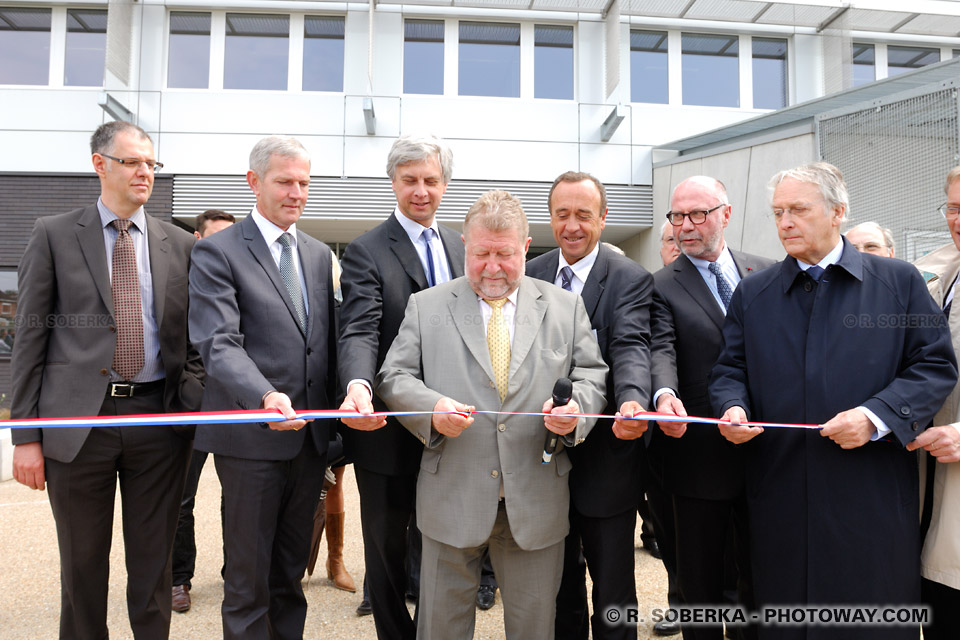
(30, 590)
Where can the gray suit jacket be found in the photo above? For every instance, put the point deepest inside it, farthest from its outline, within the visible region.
(245, 326)
(66, 332)
(441, 350)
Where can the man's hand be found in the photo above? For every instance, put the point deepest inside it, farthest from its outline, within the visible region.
(451, 424)
(629, 429)
(849, 429)
(736, 432)
(556, 422)
(28, 465)
(943, 443)
(358, 399)
(669, 403)
(281, 401)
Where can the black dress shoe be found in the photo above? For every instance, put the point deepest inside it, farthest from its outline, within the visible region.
(364, 609)
(486, 595)
(667, 628)
(653, 549)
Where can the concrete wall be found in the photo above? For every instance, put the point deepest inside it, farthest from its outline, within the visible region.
(745, 172)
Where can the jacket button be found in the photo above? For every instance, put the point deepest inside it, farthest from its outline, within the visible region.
(494, 474)
(309, 383)
(309, 351)
(807, 286)
(905, 410)
(501, 427)
(104, 372)
(915, 426)
(113, 329)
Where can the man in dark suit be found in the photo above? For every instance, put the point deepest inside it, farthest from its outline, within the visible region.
(262, 316)
(102, 331)
(852, 342)
(381, 269)
(701, 471)
(605, 479)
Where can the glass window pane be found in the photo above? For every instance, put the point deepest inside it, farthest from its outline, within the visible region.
(86, 48)
(901, 59)
(711, 72)
(769, 73)
(423, 56)
(864, 63)
(188, 66)
(24, 46)
(323, 53)
(489, 59)
(256, 51)
(553, 62)
(8, 310)
(648, 67)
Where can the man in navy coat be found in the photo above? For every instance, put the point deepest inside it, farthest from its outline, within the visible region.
(851, 342)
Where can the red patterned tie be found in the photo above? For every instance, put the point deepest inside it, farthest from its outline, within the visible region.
(128, 357)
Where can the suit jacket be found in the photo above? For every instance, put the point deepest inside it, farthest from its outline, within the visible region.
(381, 270)
(940, 561)
(245, 326)
(441, 350)
(617, 297)
(868, 334)
(687, 340)
(66, 332)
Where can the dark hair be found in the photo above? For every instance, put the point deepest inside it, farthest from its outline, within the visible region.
(209, 216)
(102, 139)
(578, 176)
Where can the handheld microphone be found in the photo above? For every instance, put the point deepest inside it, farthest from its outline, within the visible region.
(562, 392)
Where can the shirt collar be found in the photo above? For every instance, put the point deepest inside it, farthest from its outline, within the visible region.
(414, 229)
(724, 260)
(831, 258)
(512, 297)
(270, 231)
(139, 217)
(581, 268)
(844, 256)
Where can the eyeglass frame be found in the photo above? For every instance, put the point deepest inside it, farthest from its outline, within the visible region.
(135, 163)
(704, 212)
(944, 208)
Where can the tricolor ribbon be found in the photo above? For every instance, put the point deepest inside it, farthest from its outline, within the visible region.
(274, 415)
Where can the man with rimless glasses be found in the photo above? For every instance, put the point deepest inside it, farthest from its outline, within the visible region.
(102, 330)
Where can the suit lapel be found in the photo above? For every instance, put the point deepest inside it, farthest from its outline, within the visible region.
(311, 278)
(688, 277)
(743, 263)
(258, 247)
(530, 312)
(453, 246)
(90, 237)
(596, 281)
(465, 310)
(159, 249)
(406, 253)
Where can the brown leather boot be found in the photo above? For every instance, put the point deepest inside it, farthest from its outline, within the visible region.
(335, 569)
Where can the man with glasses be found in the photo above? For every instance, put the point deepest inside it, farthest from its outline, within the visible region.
(853, 343)
(102, 330)
(940, 560)
(870, 237)
(702, 471)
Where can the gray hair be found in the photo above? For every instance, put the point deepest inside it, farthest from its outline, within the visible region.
(883, 231)
(663, 227)
(823, 174)
(414, 149)
(951, 178)
(284, 146)
(102, 139)
(497, 211)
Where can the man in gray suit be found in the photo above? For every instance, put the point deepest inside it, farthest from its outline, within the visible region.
(497, 340)
(102, 331)
(262, 316)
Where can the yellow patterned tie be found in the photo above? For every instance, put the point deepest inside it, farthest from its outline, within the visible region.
(498, 341)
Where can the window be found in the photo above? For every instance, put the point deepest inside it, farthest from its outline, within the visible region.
(188, 66)
(902, 59)
(864, 63)
(489, 59)
(769, 73)
(24, 46)
(8, 311)
(711, 73)
(86, 48)
(256, 51)
(553, 62)
(323, 53)
(423, 56)
(648, 67)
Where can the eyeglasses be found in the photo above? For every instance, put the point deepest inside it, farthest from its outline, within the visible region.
(949, 211)
(696, 217)
(134, 163)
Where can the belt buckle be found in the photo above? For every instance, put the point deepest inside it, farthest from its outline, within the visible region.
(121, 390)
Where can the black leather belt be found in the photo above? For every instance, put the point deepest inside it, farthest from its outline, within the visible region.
(131, 389)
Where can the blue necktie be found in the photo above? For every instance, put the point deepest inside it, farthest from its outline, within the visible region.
(427, 236)
(815, 272)
(566, 278)
(723, 287)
